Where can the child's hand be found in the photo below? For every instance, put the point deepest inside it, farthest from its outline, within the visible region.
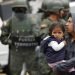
(64, 42)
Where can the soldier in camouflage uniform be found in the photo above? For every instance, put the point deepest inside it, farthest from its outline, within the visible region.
(18, 33)
(36, 20)
(51, 11)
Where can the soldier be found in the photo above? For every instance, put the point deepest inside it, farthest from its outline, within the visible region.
(51, 14)
(18, 33)
(43, 69)
(51, 11)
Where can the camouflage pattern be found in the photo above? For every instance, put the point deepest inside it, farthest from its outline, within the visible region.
(42, 65)
(41, 62)
(53, 7)
(49, 5)
(18, 33)
(47, 23)
(22, 45)
(44, 32)
(36, 20)
(65, 3)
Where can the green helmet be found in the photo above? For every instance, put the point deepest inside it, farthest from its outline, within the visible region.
(52, 6)
(20, 3)
(66, 5)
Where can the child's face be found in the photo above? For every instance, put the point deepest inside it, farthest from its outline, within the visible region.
(57, 33)
(69, 25)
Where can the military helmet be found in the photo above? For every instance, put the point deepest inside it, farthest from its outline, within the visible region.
(20, 3)
(65, 4)
(20, 6)
(52, 6)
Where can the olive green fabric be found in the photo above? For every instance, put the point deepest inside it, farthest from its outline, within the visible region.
(65, 3)
(48, 23)
(36, 21)
(23, 53)
(22, 46)
(20, 56)
(50, 5)
(21, 27)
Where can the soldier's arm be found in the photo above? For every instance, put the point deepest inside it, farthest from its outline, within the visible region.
(44, 24)
(44, 28)
(44, 44)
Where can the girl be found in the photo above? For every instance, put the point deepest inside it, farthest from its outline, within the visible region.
(54, 46)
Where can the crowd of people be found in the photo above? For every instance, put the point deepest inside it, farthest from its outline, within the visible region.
(42, 45)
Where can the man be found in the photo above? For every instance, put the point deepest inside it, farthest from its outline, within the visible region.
(68, 67)
(18, 33)
(51, 14)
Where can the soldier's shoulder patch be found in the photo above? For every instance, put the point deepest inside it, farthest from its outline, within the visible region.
(43, 25)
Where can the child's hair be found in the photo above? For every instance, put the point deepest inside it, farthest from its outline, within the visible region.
(56, 24)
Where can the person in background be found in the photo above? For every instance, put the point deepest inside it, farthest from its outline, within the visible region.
(68, 67)
(51, 14)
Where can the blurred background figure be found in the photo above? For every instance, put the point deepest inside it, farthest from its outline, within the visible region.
(5, 9)
(4, 54)
(35, 5)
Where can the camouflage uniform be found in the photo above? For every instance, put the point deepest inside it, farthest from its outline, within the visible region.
(53, 7)
(18, 33)
(47, 22)
(42, 69)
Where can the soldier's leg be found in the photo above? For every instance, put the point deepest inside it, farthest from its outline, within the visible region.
(31, 62)
(43, 67)
(15, 62)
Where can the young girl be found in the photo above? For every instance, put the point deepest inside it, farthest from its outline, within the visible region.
(54, 46)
